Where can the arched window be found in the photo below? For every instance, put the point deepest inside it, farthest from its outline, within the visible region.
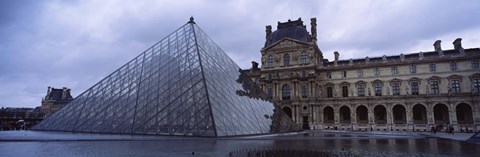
(286, 92)
(303, 58)
(270, 61)
(286, 60)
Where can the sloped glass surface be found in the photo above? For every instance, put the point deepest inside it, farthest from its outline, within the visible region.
(183, 85)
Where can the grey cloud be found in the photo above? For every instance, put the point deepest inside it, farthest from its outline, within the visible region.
(77, 43)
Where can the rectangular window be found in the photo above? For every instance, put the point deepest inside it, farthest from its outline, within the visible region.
(344, 74)
(414, 87)
(270, 92)
(330, 92)
(345, 91)
(329, 75)
(361, 89)
(394, 70)
(304, 91)
(378, 89)
(476, 86)
(475, 64)
(376, 71)
(359, 73)
(453, 66)
(434, 86)
(396, 88)
(413, 69)
(456, 86)
(433, 68)
(270, 77)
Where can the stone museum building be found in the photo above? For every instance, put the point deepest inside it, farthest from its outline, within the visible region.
(412, 91)
(55, 100)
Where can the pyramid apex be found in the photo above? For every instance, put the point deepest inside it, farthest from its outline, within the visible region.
(191, 20)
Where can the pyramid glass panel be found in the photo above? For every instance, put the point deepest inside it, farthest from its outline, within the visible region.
(183, 85)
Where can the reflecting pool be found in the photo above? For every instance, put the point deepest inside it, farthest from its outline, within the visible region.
(362, 144)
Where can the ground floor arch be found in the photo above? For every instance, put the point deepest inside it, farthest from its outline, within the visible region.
(419, 114)
(328, 115)
(464, 114)
(440, 114)
(345, 114)
(399, 114)
(362, 114)
(380, 113)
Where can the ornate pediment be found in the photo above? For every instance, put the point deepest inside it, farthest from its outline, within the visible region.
(285, 43)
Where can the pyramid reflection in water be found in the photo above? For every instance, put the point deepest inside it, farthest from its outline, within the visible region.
(183, 85)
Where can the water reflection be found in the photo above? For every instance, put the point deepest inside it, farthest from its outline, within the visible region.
(211, 147)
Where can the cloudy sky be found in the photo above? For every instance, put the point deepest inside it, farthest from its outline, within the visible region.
(77, 43)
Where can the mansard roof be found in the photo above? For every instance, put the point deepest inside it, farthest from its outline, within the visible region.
(290, 29)
(408, 57)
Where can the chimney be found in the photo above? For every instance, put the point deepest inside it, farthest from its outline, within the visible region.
(254, 65)
(438, 47)
(336, 57)
(313, 29)
(402, 57)
(48, 92)
(268, 31)
(64, 93)
(457, 45)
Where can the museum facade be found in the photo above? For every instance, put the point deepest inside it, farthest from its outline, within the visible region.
(404, 92)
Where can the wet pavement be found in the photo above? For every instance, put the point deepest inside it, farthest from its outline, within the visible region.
(33, 143)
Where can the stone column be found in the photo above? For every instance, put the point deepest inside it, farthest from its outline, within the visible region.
(295, 94)
(430, 118)
(353, 116)
(453, 116)
(314, 119)
(336, 113)
(409, 116)
(371, 116)
(275, 90)
(389, 116)
(320, 117)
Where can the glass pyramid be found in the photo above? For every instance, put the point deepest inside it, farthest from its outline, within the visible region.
(183, 85)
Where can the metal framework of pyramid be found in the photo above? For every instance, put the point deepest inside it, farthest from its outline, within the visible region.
(183, 85)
